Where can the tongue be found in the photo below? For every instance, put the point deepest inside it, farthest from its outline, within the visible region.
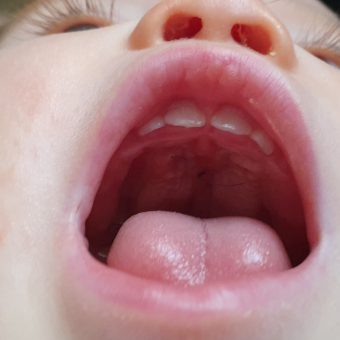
(187, 251)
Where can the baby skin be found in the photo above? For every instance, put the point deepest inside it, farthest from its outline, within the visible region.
(170, 170)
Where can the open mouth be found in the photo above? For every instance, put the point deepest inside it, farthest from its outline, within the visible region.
(206, 183)
(214, 163)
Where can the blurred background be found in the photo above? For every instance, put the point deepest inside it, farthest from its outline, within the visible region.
(11, 5)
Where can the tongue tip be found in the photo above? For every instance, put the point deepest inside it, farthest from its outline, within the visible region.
(184, 250)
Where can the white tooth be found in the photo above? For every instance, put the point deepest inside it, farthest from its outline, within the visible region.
(154, 124)
(232, 120)
(185, 114)
(263, 141)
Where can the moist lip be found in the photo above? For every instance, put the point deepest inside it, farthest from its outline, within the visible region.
(242, 80)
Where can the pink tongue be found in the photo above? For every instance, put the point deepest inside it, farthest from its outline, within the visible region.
(188, 251)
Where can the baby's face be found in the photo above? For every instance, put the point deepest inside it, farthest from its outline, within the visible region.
(170, 170)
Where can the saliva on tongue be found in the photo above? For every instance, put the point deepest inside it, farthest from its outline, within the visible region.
(187, 251)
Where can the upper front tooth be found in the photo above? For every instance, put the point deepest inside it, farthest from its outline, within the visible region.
(263, 141)
(154, 124)
(231, 119)
(185, 114)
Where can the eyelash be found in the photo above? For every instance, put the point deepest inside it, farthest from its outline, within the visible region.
(324, 42)
(52, 15)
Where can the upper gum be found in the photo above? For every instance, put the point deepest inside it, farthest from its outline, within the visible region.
(208, 118)
(207, 113)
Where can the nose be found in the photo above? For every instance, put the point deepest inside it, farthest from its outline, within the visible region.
(248, 23)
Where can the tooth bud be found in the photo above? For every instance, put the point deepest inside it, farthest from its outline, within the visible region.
(154, 124)
(232, 120)
(184, 114)
(263, 141)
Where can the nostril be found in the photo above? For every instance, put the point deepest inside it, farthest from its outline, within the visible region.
(254, 37)
(181, 26)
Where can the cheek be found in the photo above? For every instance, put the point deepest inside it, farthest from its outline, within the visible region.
(320, 79)
(21, 88)
(35, 109)
(39, 88)
(21, 96)
(52, 92)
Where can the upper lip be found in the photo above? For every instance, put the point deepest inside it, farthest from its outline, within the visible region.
(242, 78)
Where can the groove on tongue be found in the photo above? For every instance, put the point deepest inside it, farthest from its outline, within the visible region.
(183, 250)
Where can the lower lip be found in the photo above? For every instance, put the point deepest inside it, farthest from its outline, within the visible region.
(245, 79)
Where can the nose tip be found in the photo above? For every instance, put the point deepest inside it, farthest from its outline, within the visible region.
(248, 23)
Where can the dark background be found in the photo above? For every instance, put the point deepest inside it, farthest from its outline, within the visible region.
(335, 4)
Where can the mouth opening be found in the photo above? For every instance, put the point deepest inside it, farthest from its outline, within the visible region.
(204, 161)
